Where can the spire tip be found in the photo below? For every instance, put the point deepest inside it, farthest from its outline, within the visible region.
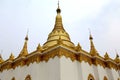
(58, 9)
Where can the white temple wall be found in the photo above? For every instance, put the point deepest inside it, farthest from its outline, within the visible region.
(115, 74)
(69, 69)
(38, 71)
(86, 70)
(95, 69)
(119, 72)
(101, 72)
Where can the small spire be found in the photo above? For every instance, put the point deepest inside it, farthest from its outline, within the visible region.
(1, 59)
(106, 56)
(117, 60)
(24, 51)
(39, 48)
(93, 51)
(11, 57)
(78, 47)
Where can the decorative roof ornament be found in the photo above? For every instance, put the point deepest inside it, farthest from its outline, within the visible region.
(39, 48)
(106, 56)
(93, 50)
(1, 59)
(78, 47)
(117, 60)
(59, 40)
(11, 57)
(24, 51)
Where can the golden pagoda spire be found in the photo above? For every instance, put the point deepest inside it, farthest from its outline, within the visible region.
(24, 51)
(117, 60)
(11, 57)
(58, 21)
(93, 50)
(1, 59)
(106, 56)
(58, 32)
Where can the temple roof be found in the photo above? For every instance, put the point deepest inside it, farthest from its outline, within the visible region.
(57, 33)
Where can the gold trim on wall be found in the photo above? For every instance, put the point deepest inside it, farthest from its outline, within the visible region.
(59, 52)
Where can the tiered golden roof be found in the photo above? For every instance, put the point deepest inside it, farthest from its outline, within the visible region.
(58, 33)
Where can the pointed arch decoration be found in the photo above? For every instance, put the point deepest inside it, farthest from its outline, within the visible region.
(90, 77)
(13, 78)
(28, 77)
(105, 78)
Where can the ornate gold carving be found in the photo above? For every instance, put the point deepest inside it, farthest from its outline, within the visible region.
(96, 61)
(28, 77)
(1, 59)
(78, 47)
(90, 77)
(58, 51)
(32, 59)
(39, 48)
(82, 57)
(117, 60)
(13, 78)
(118, 78)
(11, 57)
(105, 78)
(106, 56)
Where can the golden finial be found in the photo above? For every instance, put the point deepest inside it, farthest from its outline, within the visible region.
(58, 3)
(78, 47)
(106, 56)
(24, 51)
(90, 37)
(58, 9)
(93, 50)
(11, 57)
(1, 59)
(26, 38)
(39, 48)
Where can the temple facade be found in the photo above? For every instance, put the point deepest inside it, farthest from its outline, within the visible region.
(59, 59)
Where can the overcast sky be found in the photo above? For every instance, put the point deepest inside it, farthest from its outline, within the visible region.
(101, 16)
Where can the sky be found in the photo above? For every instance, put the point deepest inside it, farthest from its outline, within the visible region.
(102, 17)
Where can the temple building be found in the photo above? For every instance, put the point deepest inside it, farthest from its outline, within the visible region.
(59, 59)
